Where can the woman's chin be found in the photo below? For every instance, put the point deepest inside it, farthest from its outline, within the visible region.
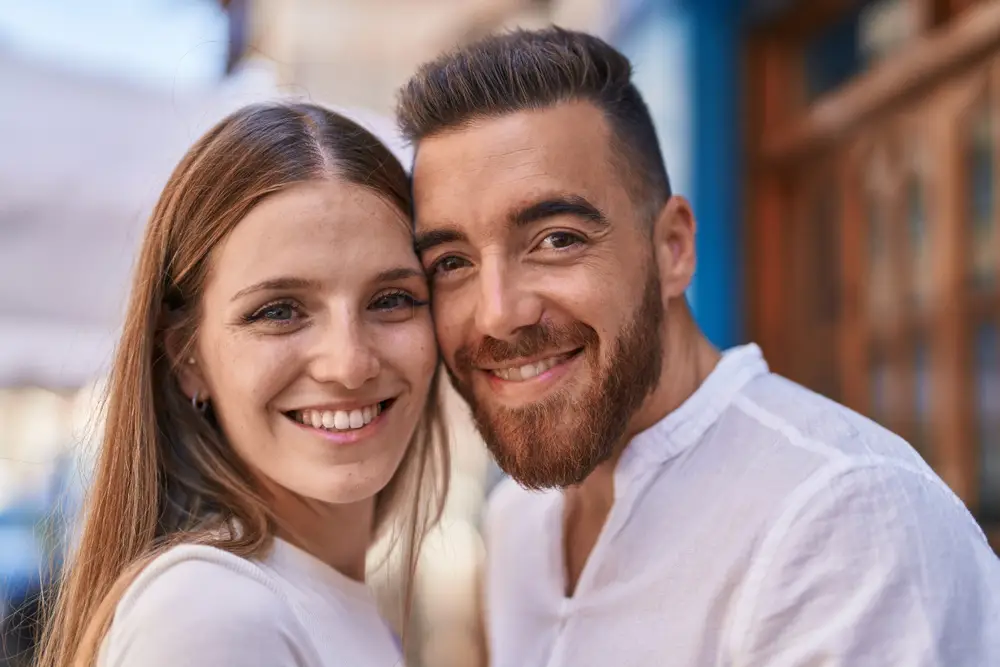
(340, 487)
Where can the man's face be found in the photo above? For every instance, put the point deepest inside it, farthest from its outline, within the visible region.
(546, 296)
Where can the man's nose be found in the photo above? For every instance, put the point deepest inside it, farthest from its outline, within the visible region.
(506, 303)
(346, 355)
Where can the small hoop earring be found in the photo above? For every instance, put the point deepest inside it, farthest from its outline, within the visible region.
(197, 404)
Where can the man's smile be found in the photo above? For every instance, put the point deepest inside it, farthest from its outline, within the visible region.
(522, 370)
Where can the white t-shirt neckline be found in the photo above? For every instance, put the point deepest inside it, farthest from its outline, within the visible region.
(300, 566)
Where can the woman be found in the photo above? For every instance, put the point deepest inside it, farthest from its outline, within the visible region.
(272, 405)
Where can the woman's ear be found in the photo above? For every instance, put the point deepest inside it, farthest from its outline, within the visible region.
(184, 360)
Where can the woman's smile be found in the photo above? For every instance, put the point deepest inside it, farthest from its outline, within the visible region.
(344, 424)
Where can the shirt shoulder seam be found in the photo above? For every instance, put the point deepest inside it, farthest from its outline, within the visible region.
(779, 424)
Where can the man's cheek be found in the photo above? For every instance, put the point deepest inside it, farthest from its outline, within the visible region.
(449, 330)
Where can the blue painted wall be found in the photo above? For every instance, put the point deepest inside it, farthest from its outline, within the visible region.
(687, 60)
(716, 161)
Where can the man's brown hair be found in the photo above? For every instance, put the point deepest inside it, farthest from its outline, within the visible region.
(524, 70)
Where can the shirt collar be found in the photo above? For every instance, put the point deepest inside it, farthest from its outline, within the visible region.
(684, 427)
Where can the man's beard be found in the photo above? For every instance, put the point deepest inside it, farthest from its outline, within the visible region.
(558, 441)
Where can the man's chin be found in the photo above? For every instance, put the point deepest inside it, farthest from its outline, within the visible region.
(543, 474)
(542, 457)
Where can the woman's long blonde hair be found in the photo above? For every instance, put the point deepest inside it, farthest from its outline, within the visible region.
(165, 475)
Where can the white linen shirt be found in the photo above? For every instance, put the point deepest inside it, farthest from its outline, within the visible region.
(759, 524)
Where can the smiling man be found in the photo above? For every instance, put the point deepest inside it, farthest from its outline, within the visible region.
(672, 505)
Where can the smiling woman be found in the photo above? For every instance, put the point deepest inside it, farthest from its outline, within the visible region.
(272, 409)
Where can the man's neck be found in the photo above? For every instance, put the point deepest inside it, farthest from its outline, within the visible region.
(688, 360)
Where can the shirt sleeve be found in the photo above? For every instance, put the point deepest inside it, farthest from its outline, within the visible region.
(198, 613)
(874, 566)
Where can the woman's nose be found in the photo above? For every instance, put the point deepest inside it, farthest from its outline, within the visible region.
(346, 356)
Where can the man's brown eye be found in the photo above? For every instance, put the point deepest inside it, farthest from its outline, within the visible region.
(561, 240)
(449, 263)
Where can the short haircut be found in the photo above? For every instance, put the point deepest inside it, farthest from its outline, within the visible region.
(524, 70)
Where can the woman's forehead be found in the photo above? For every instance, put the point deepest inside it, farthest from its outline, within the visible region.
(322, 229)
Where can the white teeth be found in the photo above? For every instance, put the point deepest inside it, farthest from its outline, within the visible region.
(339, 420)
(528, 371)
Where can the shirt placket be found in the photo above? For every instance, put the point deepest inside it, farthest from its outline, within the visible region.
(629, 484)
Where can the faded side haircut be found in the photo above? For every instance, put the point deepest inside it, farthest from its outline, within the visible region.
(525, 70)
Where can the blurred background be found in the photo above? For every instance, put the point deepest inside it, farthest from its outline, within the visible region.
(841, 157)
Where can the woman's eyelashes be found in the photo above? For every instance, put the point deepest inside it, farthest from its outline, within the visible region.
(285, 313)
(275, 313)
(395, 300)
(396, 305)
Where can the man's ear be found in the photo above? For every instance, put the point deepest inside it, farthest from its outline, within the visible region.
(184, 359)
(673, 245)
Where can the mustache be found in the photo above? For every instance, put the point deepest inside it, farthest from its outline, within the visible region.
(530, 341)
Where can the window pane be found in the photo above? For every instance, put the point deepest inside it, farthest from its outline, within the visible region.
(922, 404)
(868, 33)
(822, 297)
(879, 388)
(981, 202)
(833, 57)
(882, 297)
(987, 370)
(916, 214)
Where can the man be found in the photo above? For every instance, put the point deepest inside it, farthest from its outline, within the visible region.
(674, 506)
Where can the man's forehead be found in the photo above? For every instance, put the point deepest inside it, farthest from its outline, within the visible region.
(507, 161)
(465, 166)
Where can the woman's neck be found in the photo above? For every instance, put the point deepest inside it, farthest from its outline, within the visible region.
(338, 535)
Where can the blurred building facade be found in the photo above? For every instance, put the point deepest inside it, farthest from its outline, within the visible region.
(359, 52)
(870, 217)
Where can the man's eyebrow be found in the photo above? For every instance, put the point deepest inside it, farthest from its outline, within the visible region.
(550, 207)
(424, 241)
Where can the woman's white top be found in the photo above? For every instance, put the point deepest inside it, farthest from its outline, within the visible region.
(197, 606)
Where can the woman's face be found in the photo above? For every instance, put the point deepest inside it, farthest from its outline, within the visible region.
(315, 345)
